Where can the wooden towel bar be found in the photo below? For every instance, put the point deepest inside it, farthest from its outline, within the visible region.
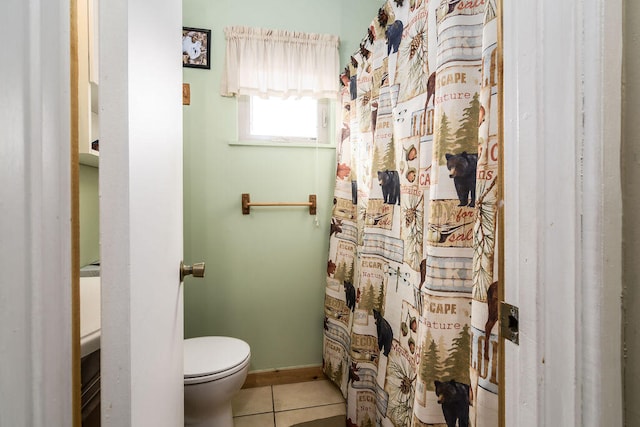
(247, 203)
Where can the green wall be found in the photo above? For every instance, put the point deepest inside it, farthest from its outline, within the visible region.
(265, 273)
(89, 215)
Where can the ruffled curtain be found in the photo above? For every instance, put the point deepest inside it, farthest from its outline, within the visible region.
(411, 306)
(280, 63)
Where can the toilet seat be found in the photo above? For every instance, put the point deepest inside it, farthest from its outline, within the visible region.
(212, 358)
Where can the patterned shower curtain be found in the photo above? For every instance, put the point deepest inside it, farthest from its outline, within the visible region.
(410, 331)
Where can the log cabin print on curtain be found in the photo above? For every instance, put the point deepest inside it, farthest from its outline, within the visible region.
(409, 335)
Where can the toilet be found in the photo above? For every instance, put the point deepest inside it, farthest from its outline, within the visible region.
(214, 371)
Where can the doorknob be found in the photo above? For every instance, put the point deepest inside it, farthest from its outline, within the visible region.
(197, 270)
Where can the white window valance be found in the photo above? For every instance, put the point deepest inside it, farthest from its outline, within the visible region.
(280, 63)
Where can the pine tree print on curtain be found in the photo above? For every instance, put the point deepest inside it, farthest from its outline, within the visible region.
(411, 257)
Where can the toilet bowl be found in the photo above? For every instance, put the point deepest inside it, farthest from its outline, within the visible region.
(214, 371)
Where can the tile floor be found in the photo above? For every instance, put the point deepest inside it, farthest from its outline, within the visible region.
(288, 404)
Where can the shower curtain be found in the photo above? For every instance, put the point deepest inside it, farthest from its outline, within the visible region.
(410, 330)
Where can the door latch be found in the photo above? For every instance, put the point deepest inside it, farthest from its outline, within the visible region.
(509, 322)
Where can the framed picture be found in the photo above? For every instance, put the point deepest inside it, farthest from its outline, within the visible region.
(196, 52)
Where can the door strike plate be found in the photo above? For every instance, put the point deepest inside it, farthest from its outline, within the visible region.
(509, 322)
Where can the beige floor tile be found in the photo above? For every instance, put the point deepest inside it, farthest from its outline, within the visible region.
(289, 418)
(260, 420)
(305, 395)
(250, 401)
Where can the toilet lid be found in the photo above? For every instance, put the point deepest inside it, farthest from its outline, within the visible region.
(211, 355)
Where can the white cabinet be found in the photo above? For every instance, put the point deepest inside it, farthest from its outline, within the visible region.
(88, 112)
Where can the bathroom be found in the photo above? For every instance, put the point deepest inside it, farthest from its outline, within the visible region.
(196, 251)
(271, 263)
(239, 250)
(265, 272)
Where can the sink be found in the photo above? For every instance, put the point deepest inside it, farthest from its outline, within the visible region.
(89, 315)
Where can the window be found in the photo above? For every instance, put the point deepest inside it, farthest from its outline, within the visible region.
(291, 120)
(282, 104)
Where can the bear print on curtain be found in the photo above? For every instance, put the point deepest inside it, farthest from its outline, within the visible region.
(409, 335)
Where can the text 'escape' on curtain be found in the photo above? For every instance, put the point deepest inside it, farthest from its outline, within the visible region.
(411, 305)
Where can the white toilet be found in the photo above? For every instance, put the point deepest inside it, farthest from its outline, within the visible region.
(214, 371)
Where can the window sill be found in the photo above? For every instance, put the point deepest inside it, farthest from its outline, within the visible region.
(256, 143)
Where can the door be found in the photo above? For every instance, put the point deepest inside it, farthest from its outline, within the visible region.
(562, 76)
(141, 212)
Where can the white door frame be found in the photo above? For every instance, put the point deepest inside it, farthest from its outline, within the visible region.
(562, 74)
(35, 215)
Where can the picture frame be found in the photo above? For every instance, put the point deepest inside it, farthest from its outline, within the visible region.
(196, 48)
